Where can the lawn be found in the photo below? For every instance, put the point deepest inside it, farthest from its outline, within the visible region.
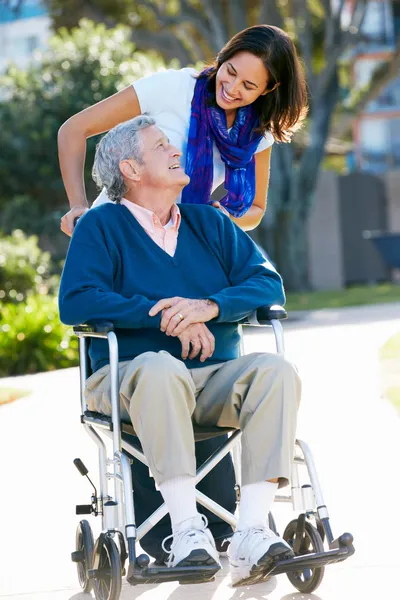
(389, 358)
(352, 296)
(10, 394)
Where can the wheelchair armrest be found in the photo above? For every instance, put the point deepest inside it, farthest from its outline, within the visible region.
(265, 314)
(97, 330)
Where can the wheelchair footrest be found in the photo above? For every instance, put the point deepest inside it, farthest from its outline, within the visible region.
(200, 574)
(312, 561)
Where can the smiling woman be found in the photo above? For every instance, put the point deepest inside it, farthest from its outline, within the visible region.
(253, 94)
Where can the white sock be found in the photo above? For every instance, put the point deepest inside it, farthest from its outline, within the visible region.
(179, 494)
(255, 503)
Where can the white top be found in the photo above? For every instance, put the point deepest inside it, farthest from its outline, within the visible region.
(167, 96)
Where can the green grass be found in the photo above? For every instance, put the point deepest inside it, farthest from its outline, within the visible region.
(353, 296)
(10, 394)
(391, 349)
(393, 394)
(389, 358)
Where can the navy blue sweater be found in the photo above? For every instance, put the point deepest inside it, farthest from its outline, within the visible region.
(115, 272)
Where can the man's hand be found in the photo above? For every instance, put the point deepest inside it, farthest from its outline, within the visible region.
(178, 313)
(199, 338)
(67, 222)
(218, 205)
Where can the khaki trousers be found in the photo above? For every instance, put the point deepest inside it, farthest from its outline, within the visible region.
(258, 393)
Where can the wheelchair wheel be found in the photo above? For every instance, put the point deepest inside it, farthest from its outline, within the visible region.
(108, 582)
(122, 551)
(84, 554)
(306, 580)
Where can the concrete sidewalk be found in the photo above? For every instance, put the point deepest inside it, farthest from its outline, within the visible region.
(353, 433)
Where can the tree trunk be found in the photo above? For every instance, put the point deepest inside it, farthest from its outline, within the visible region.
(283, 231)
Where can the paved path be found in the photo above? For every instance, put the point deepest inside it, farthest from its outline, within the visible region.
(354, 435)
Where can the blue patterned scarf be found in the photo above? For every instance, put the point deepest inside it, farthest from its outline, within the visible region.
(237, 148)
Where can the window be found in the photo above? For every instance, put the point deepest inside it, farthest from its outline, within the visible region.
(375, 23)
(380, 144)
(374, 136)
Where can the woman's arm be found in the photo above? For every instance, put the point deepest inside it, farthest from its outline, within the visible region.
(72, 137)
(256, 212)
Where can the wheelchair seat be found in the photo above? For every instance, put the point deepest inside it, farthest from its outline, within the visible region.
(200, 433)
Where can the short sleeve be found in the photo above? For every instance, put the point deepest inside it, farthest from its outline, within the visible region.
(160, 90)
(266, 142)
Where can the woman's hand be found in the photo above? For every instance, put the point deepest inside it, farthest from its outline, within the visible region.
(195, 339)
(67, 222)
(178, 313)
(218, 205)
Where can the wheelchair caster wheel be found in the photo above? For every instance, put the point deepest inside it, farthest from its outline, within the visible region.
(83, 554)
(107, 578)
(122, 552)
(306, 580)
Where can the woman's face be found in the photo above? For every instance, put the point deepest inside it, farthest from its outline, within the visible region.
(240, 81)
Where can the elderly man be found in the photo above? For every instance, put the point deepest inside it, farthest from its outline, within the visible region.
(175, 302)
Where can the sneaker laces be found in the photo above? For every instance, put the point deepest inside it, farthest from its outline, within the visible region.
(181, 533)
(264, 531)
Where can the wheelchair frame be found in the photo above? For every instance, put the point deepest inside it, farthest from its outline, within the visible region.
(116, 507)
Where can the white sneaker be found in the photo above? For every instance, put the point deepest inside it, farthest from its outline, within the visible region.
(193, 545)
(253, 552)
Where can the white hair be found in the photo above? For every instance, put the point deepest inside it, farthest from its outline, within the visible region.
(120, 143)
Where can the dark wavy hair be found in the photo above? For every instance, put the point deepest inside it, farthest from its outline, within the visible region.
(282, 110)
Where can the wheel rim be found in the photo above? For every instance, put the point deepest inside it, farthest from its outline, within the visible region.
(84, 544)
(103, 584)
(81, 566)
(107, 580)
(308, 578)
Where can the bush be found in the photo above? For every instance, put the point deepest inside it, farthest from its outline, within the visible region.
(23, 212)
(24, 268)
(33, 338)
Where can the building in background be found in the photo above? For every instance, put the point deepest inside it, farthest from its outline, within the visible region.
(22, 31)
(377, 130)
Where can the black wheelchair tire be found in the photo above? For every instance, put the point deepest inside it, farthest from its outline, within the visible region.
(122, 551)
(109, 586)
(85, 544)
(314, 543)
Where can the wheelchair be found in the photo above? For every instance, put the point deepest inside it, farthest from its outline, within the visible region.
(102, 564)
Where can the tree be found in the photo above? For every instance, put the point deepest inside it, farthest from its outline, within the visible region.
(81, 67)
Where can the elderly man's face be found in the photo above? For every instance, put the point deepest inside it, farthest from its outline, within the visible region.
(161, 166)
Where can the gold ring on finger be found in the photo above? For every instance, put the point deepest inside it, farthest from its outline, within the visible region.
(181, 317)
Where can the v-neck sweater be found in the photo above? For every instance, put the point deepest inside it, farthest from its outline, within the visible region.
(115, 272)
